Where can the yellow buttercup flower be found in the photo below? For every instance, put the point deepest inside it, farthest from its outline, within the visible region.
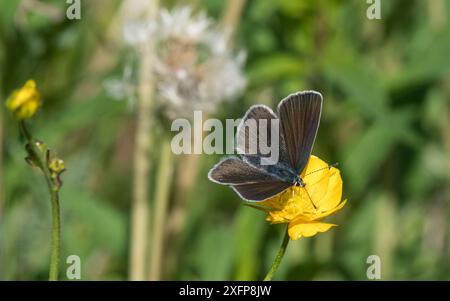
(304, 208)
(25, 101)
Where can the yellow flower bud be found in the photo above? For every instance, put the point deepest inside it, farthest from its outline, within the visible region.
(56, 166)
(25, 101)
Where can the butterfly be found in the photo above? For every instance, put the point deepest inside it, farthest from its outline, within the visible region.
(298, 117)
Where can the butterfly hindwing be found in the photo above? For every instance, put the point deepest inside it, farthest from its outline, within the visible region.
(258, 192)
(250, 182)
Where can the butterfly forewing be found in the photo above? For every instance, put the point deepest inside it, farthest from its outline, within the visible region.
(261, 117)
(299, 115)
(258, 192)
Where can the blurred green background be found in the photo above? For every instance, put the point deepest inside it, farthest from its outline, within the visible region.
(386, 120)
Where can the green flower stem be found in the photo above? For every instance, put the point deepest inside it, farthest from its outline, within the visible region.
(162, 195)
(24, 131)
(40, 159)
(277, 261)
(2, 199)
(56, 235)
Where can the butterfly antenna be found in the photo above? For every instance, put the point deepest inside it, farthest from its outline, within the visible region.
(323, 168)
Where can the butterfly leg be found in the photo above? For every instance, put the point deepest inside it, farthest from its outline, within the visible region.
(309, 197)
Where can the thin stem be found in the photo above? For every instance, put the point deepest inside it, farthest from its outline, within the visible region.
(56, 236)
(141, 170)
(1, 164)
(25, 131)
(40, 159)
(279, 257)
(56, 226)
(161, 204)
(231, 18)
(437, 16)
(187, 171)
(140, 205)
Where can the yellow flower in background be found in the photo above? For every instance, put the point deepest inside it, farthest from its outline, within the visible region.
(304, 208)
(25, 101)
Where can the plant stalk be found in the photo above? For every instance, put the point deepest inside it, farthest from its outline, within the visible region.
(231, 18)
(164, 182)
(140, 205)
(141, 170)
(279, 257)
(56, 236)
(40, 159)
(1, 164)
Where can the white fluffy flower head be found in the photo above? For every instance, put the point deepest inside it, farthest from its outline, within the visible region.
(193, 68)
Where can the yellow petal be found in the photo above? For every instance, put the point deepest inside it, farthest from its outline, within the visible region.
(24, 102)
(28, 110)
(306, 203)
(300, 228)
(323, 187)
(316, 177)
(276, 202)
(329, 212)
(333, 195)
(314, 163)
